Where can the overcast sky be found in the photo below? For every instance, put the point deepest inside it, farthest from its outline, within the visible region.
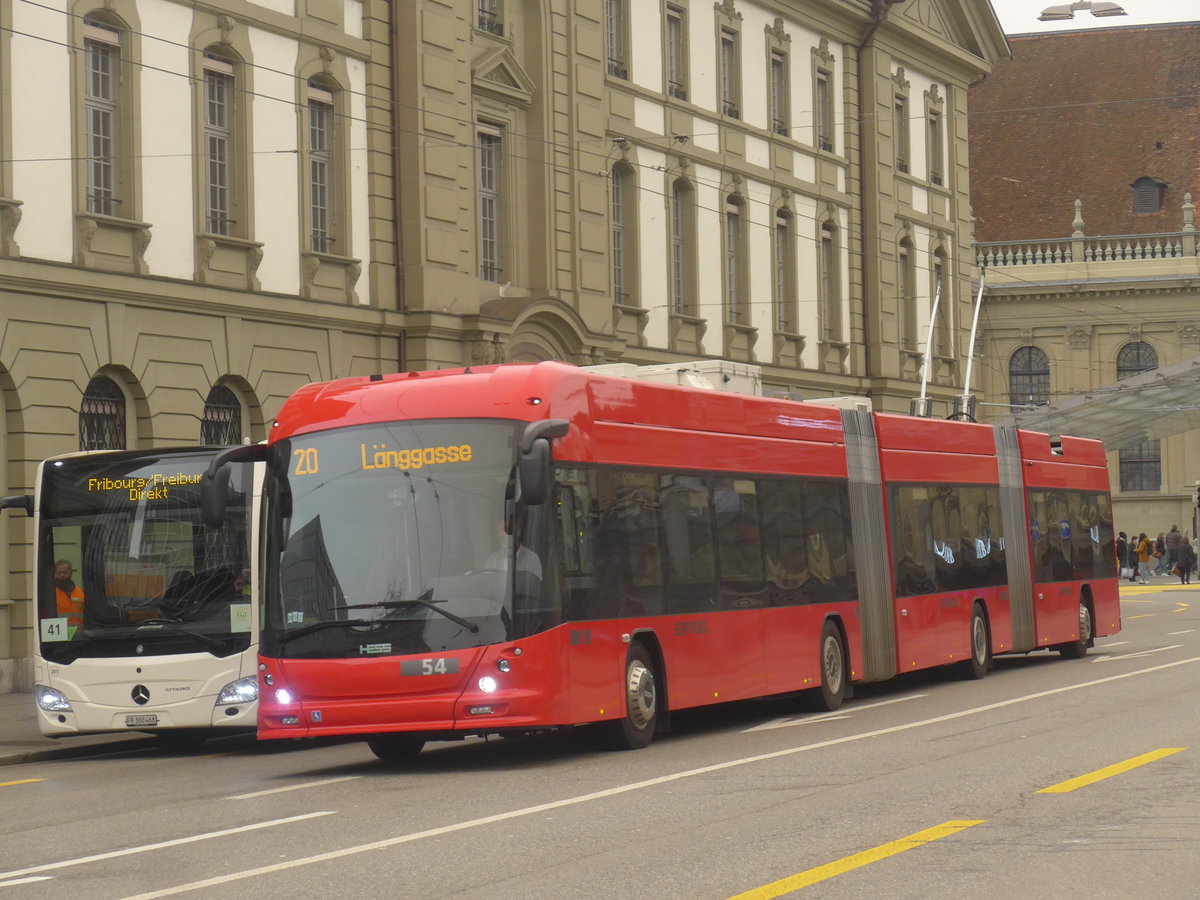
(1021, 16)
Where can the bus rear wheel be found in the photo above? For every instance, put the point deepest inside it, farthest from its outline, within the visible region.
(636, 728)
(977, 664)
(833, 670)
(396, 746)
(1078, 649)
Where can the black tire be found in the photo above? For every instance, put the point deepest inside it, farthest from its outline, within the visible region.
(832, 692)
(1078, 649)
(398, 746)
(636, 728)
(980, 660)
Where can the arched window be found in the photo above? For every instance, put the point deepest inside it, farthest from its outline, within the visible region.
(222, 422)
(1148, 195)
(831, 320)
(943, 340)
(105, 111)
(1140, 464)
(222, 156)
(735, 256)
(326, 226)
(683, 238)
(102, 416)
(906, 296)
(784, 260)
(1028, 377)
(623, 221)
(1134, 358)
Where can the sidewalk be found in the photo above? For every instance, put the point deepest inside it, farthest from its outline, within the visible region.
(21, 742)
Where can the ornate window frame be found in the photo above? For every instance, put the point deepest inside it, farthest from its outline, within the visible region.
(676, 50)
(328, 268)
(824, 83)
(729, 59)
(109, 233)
(901, 122)
(779, 77)
(935, 136)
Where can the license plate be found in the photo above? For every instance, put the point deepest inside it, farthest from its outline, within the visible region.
(134, 721)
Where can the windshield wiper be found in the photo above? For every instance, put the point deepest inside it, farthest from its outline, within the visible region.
(173, 625)
(328, 623)
(424, 599)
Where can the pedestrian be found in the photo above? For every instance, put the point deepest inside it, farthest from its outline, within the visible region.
(1122, 555)
(1158, 547)
(1185, 558)
(1172, 542)
(1145, 553)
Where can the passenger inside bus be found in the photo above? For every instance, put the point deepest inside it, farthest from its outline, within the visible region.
(68, 595)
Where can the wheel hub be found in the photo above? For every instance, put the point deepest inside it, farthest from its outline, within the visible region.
(641, 695)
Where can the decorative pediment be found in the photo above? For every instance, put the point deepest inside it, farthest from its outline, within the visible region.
(947, 21)
(498, 74)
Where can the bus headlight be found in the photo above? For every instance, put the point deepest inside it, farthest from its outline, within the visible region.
(487, 684)
(283, 697)
(51, 700)
(244, 690)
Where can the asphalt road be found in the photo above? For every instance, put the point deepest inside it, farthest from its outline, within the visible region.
(1048, 778)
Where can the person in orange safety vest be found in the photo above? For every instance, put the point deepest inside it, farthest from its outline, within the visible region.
(68, 595)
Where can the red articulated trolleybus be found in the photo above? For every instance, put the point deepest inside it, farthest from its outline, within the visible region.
(526, 547)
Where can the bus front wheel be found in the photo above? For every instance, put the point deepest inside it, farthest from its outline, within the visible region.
(636, 728)
(396, 746)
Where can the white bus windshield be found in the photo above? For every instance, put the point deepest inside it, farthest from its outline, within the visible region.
(126, 566)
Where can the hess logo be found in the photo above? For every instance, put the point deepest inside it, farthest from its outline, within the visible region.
(140, 694)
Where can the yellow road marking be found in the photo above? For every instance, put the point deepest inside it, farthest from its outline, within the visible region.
(1142, 616)
(820, 873)
(1109, 771)
(22, 781)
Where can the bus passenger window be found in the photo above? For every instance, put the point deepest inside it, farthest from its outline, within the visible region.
(739, 542)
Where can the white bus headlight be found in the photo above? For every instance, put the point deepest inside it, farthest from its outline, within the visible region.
(51, 700)
(283, 697)
(244, 690)
(487, 684)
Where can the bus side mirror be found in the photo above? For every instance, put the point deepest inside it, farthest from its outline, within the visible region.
(212, 496)
(533, 459)
(21, 501)
(215, 480)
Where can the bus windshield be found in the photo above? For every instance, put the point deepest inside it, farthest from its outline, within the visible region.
(391, 539)
(128, 568)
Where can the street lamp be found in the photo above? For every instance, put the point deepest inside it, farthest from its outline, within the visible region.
(1098, 8)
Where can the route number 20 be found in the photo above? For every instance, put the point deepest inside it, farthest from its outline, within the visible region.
(306, 461)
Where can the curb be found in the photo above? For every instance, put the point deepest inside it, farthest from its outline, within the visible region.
(20, 757)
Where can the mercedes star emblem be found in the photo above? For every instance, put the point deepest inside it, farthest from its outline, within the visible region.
(140, 694)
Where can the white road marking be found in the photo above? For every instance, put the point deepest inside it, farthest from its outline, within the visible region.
(794, 720)
(1185, 631)
(161, 845)
(825, 717)
(293, 787)
(1137, 655)
(14, 883)
(1114, 644)
(637, 786)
